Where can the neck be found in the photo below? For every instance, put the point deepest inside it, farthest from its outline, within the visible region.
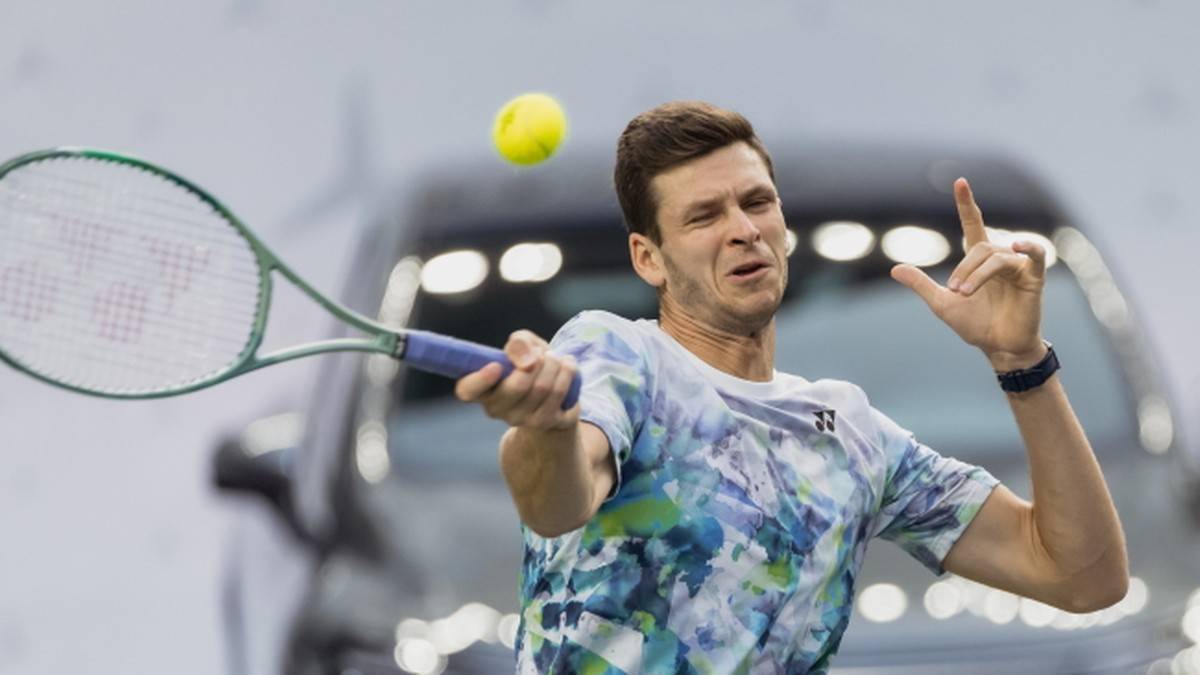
(747, 355)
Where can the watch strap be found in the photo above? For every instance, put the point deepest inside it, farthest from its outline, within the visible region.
(1016, 381)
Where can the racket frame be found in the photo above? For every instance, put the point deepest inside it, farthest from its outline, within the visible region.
(383, 340)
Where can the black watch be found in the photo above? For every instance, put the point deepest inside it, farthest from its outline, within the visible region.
(1015, 381)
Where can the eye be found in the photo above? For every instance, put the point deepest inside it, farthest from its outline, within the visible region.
(760, 203)
(701, 218)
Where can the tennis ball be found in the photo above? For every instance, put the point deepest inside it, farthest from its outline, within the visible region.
(529, 128)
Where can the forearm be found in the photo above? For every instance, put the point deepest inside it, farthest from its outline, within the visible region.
(550, 476)
(1074, 518)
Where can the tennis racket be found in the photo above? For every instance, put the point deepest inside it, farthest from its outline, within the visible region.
(121, 279)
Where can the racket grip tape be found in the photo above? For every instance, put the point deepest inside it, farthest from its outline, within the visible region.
(454, 358)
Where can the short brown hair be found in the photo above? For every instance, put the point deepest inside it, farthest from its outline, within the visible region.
(664, 137)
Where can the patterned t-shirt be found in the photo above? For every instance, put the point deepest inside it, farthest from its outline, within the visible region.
(740, 518)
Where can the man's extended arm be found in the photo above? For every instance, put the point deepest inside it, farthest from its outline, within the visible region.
(558, 479)
(1066, 548)
(558, 469)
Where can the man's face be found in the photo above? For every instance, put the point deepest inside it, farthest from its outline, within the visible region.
(724, 241)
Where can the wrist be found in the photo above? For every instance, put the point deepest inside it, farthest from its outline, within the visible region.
(1003, 362)
(1024, 379)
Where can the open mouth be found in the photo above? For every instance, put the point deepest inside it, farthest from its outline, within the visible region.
(748, 270)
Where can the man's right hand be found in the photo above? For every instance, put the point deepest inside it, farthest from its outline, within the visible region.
(531, 396)
(558, 470)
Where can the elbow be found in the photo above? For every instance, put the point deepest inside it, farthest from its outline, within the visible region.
(1110, 594)
(1099, 586)
(1095, 600)
(1097, 594)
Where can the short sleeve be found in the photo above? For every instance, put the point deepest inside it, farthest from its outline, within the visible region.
(614, 396)
(928, 499)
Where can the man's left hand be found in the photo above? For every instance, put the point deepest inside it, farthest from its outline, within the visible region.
(993, 299)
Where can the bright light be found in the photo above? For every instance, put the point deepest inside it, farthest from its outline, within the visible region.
(274, 433)
(1186, 662)
(1109, 615)
(974, 594)
(914, 245)
(943, 600)
(411, 628)
(1194, 599)
(882, 602)
(1191, 624)
(472, 622)
(506, 630)
(402, 287)
(1108, 304)
(1036, 614)
(530, 262)
(1067, 621)
(1155, 428)
(1001, 607)
(370, 452)
(454, 272)
(417, 656)
(792, 240)
(1136, 597)
(843, 240)
(381, 369)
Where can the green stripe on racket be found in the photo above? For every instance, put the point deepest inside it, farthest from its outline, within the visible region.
(121, 279)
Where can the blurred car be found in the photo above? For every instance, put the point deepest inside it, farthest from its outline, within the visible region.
(395, 548)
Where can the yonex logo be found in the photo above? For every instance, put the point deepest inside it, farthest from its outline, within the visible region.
(825, 419)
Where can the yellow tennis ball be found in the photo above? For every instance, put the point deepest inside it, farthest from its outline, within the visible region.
(529, 128)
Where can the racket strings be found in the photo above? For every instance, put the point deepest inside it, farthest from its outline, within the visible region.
(38, 196)
(119, 280)
(81, 259)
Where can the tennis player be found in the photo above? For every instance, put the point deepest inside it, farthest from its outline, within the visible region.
(701, 512)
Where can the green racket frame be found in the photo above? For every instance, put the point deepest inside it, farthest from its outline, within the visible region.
(384, 341)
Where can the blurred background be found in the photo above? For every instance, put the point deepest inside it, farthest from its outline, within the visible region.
(310, 120)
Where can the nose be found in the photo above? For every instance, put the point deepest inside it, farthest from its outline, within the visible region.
(743, 229)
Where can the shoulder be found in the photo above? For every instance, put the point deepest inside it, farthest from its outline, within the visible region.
(603, 328)
(596, 334)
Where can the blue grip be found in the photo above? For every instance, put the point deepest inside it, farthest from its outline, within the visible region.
(451, 357)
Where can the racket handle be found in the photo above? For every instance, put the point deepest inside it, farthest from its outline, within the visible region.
(451, 357)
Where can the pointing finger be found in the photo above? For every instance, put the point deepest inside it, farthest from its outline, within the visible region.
(969, 213)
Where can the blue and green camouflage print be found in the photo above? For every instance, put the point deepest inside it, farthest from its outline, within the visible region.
(740, 518)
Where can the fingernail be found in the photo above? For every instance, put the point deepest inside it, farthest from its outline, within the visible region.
(954, 284)
(965, 288)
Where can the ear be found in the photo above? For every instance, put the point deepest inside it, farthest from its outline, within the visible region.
(646, 259)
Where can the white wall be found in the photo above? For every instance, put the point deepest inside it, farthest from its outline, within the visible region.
(110, 538)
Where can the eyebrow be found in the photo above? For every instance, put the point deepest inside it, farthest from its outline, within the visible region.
(759, 190)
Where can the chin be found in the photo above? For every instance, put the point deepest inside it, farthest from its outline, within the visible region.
(752, 319)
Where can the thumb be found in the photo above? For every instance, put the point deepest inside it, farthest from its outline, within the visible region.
(919, 282)
(524, 349)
